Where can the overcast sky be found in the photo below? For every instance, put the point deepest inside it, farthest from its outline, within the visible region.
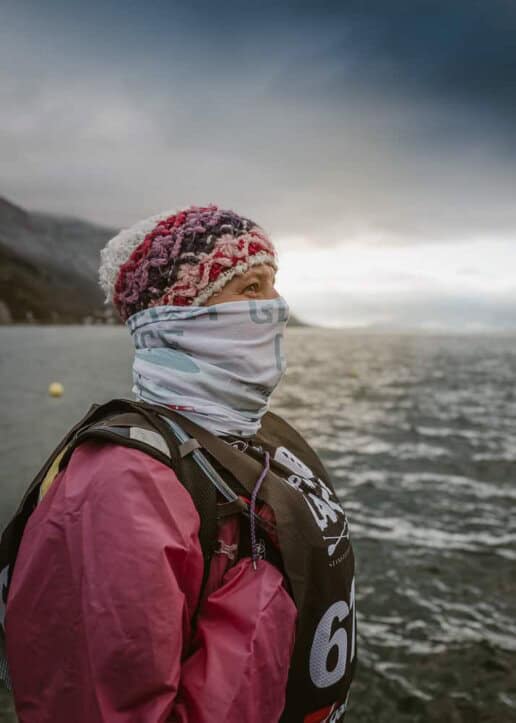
(375, 140)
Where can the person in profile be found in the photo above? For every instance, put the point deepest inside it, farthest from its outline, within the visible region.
(182, 556)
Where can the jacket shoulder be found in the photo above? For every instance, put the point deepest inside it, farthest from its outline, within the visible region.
(105, 473)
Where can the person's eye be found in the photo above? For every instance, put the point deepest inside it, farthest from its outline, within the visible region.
(254, 288)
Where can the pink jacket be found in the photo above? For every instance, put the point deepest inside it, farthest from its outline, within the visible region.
(99, 617)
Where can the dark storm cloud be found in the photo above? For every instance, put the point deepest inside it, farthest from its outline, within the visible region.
(377, 121)
(464, 50)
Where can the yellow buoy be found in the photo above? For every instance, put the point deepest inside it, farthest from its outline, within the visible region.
(56, 389)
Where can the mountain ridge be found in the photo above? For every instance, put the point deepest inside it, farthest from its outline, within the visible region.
(48, 266)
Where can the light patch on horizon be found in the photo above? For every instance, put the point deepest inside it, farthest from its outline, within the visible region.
(467, 286)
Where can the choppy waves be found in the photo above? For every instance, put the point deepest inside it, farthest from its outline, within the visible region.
(419, 435)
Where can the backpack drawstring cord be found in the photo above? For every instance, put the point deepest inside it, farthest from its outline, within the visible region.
(255, 552)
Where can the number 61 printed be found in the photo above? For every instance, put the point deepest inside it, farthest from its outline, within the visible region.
(324, 642)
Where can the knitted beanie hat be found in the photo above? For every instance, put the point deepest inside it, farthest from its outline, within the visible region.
(180, 258)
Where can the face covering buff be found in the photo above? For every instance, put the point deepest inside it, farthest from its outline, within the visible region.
(217, 365)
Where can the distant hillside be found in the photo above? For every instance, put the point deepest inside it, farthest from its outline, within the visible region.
(48, 266)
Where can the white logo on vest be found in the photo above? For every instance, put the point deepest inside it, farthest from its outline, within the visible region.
(321, 500)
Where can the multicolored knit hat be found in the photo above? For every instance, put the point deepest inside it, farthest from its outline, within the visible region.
(180, 258)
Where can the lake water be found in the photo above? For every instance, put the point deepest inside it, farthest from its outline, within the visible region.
(419, 435)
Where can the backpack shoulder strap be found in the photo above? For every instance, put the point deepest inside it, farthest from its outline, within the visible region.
(132, 424)
(140, 426)
(128, 430)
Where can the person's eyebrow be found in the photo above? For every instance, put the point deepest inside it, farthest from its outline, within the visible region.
(256, 273)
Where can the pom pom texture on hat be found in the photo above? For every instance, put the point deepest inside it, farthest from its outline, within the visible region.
(180, 258)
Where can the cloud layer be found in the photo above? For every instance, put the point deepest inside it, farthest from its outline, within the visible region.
(380, 122)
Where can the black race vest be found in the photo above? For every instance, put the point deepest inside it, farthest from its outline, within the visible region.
(316, 556)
